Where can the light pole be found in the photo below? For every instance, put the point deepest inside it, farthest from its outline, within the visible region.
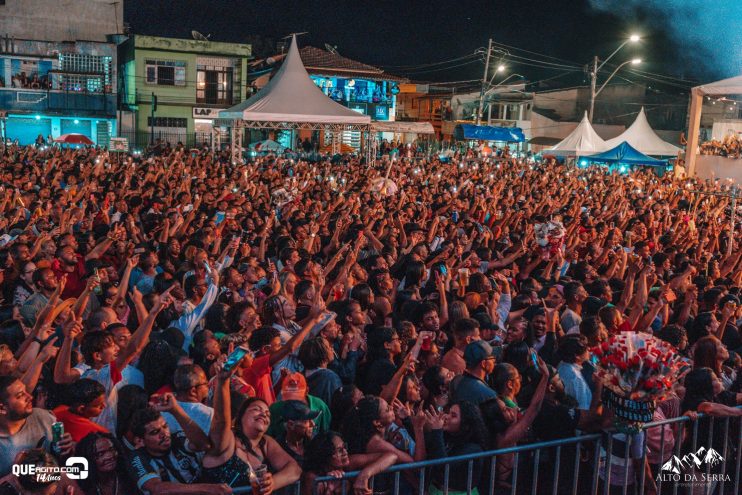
(494, 87)
(500, 68)
(596, 68)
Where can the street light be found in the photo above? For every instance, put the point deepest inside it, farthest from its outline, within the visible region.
(634, 38)
(500, 68)
(634, 61)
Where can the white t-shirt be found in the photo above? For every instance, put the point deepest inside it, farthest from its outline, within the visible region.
(201, 414)
(111, 383)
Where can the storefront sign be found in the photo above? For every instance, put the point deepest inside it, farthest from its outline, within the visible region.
(205, 113)
(381, 112)
(118, 144)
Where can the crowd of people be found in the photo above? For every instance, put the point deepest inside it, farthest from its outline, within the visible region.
(197, 325)
(33, 81)
(730, 146)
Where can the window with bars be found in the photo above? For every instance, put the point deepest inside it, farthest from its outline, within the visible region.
(165, 72)
(168, 122)
(83, 72)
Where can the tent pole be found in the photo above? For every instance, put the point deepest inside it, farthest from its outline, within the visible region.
(694, 127)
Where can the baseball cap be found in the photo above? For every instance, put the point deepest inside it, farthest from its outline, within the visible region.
(298, 411)
(476, 352)
(294, 387)
(7, 239)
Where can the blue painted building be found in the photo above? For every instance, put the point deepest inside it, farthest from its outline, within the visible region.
(51, 88)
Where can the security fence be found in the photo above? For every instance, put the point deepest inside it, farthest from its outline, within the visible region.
(673, 456)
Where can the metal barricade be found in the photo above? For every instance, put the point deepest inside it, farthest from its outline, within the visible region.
(598, 463)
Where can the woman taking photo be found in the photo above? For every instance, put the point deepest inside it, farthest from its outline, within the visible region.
(107, 473)
(245, 451)
(327, 455)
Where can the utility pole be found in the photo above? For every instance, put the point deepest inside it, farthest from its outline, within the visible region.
(593, 83)
(153, 108)
(484, 83)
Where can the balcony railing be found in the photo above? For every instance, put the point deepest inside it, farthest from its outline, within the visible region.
(24, 100)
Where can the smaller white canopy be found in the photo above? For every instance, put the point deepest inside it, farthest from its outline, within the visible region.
(582, 141)
(292, 96)
(400, 127)
(642, 137)
(731, 86)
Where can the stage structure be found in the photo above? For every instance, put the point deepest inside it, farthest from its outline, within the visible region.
(725, 87)
(291, 101)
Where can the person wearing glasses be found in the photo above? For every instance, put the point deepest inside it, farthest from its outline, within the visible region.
(191, 390)
(327, 455)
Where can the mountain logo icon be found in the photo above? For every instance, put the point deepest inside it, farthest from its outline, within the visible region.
(693, 460)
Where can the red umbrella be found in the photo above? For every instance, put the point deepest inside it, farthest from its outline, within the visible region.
(73, 139)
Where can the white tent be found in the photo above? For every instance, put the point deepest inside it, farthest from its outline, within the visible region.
(292, 97)
(403, 127)
(731, 86)
(642, 137)
(582, 141)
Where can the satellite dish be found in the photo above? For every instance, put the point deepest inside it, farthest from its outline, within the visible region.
(331, 49)
(198, 36)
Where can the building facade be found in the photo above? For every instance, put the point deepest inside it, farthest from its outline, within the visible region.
(188, 81)
(61, 20)
(50, 88)
(58, 68)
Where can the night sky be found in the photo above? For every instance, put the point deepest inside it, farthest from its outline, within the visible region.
(396, 35)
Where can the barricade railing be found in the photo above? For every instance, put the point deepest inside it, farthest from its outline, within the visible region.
(595, 464)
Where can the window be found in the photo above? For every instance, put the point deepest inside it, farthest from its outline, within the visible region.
(168, 122)
(165, 72)
(82, 72)
(214, 84)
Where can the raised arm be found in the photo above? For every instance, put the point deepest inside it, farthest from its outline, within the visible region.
(63, 371)
(198, 440)
(141, 336)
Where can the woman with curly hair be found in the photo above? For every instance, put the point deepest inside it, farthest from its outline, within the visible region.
(327, 455)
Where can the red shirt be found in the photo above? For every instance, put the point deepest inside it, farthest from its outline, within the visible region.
(75, 279)
(77, 426)
(258, 376)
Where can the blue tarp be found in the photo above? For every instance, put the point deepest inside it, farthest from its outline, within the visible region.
(624, 153)
(489, 133)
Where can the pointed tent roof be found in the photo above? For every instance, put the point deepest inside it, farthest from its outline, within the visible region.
(292, 96)
(625, 153)
(642, 137)
(581, 141)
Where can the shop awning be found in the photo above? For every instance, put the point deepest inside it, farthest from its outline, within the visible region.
(489, 133)
(402, 127)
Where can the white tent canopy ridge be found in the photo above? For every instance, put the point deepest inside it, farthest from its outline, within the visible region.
(642, 137)
(292, 97)
(403, 127)
(581, 141)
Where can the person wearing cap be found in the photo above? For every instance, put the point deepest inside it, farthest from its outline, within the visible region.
(471, 385)
(294, 388)
(298, 428)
